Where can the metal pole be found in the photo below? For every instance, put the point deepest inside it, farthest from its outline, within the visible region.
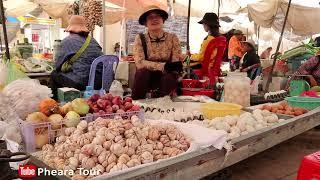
(104, 37)
(219, 3)
(188, 26)
(3, 18)
(278, 47)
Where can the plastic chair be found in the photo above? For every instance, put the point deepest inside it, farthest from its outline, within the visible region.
(108, 71)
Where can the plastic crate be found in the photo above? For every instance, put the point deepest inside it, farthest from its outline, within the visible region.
(310, 167)
(194, 92)
(303, 102)
(220, 109)
(194, 83)
(28, 129)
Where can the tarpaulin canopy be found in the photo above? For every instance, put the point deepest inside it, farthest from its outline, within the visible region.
(302, 19)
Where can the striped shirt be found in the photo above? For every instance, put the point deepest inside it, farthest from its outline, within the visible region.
(81, 68)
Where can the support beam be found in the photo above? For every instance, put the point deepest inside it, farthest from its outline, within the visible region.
(5, 36)
(278, 47)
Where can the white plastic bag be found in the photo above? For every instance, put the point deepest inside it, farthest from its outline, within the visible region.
(255, 85)
(25, 95)
(116, 88)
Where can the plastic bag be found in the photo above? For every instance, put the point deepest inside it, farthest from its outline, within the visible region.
(3, 74)
(25, 95)
(116, 88)
(14, 73)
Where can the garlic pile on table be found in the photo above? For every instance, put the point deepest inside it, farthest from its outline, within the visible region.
(243, 124)
(110, 145)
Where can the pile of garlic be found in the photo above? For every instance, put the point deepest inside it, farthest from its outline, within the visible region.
(247, 122)
(110, 145)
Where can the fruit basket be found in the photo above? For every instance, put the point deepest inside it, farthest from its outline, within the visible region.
(48, 132)
(220, 109)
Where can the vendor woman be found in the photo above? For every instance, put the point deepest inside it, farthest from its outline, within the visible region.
(154, 51)
(213, 46)
(311, 69)
(76, 54)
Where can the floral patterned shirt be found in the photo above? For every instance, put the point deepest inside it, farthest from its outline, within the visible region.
(164, 49)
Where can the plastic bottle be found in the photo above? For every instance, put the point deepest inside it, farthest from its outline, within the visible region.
(88, 92)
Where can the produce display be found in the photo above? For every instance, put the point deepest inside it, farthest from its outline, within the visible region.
(247, 122)
(110, 145)
(284, 108)
(164, 108)
(111, 104)
(49, 111)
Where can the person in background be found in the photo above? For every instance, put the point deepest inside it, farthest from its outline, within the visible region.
(210, 23)
(77, 52)
(251, 60)
(235, 50)
(311, 68)
(157, 56)
(266, 53)
(210, 55)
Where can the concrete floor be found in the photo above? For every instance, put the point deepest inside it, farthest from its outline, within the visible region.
(280, 162)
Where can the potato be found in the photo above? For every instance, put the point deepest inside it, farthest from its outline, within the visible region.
(298, 112)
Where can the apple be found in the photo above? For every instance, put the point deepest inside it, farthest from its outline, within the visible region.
(116, 100)
(115, 108)
(94, 98)
(135, 108)
(128, 99)
(128, 105)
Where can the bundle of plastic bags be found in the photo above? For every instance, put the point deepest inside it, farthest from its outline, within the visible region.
(25, 95)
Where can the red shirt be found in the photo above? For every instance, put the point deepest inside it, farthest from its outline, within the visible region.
(310, 67)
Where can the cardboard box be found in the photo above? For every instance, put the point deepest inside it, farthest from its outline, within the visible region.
(68, 94)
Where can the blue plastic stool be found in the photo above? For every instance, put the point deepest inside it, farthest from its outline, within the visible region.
(107, 73)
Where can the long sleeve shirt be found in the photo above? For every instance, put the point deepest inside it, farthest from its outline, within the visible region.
(310, 67)
(235, 48)
(199, 56)
(166, 49)
(81, 67)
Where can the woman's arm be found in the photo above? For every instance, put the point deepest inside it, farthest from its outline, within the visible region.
(199, 56)
(139, 57)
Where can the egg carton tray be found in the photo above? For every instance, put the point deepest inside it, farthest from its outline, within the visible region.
(28, 130)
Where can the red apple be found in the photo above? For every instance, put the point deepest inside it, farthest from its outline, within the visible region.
(94, 97)
(115, 108)
(135, 108)
(122, 107)
(108, 110)
(128, 99)
(128, 105)
(116, 100)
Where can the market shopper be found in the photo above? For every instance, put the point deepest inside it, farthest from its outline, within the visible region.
(251, 61)
(212, 48)
(157, 56)
(235, 50)
(76, 54)
(311, 69)
(266, 53)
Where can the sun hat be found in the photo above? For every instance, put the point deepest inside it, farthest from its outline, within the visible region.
(210, 19)
(150, 9)
(77, 24)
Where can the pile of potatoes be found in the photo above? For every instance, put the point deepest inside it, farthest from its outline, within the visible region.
(284, 108)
